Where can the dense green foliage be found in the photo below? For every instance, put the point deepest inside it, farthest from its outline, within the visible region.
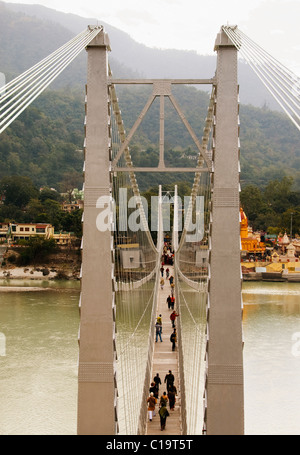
(273, 209)
(45, 142)
(34, 251)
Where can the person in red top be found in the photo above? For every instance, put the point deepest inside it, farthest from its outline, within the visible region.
(172, 302)
(173, 317)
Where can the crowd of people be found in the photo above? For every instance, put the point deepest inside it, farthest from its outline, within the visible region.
(158, 329)
(166, 398)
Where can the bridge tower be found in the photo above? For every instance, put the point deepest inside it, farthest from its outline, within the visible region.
(96, 375)
(224, 380)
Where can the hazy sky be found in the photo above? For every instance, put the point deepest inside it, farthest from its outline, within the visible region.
(194, 24)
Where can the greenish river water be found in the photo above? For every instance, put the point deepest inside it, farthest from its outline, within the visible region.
(39, 354)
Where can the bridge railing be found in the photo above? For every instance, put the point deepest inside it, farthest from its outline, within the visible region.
(191, 246)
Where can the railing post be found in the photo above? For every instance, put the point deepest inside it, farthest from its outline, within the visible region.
(96, 375)
(224, 382)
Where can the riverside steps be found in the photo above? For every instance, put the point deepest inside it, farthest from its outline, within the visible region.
(164, 359)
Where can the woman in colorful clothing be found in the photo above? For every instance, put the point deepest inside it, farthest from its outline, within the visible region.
(151, 406)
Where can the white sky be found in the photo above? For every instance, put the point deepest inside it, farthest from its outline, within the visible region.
(194, 24)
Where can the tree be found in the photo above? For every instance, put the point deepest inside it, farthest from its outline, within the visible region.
(277, 194)
(18, 190)
(252, 203)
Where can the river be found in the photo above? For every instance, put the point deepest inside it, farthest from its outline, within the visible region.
(39, 354)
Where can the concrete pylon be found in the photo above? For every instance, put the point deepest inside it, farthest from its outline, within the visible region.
(96, 375)
(224, 394)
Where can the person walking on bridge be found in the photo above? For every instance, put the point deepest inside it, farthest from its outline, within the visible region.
(151, 405)
(158, 329)
(163, 414)
(157, 381)
(163, 399)
(172, 397)
(173, 339)
(172, 302)
(169, 379)
(173, 317)
(169, 301)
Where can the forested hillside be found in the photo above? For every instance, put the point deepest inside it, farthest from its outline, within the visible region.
(36, 30)
(45, 142)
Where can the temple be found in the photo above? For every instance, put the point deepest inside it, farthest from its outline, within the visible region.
(251, 243)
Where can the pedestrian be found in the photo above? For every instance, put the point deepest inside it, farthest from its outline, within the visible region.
(162, 271)
(151, 405)
(173, 317)
(172, 302)
(169, 301)
(167, 272)
(158, 329)
(153, 389)
(163, 399)
(162, 283)
(157, 382)
(171, 279)
(173, 339)
(172, 397)
(159, 319)
(169, 379)
(163, 414)
(172, 289)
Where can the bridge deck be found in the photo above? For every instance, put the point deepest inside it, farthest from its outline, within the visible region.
(164, 359)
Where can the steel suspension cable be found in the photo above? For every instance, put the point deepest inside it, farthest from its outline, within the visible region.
(262, 63)
(197, 178)
(287, 79)
(12, 86)
(266, 66)
(36, 76)
(41, 75)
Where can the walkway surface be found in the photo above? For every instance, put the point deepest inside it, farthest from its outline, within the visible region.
(164, 359)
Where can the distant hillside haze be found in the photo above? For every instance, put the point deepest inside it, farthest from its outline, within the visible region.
(128, 58)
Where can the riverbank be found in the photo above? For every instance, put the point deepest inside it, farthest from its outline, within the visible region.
(63, 264)
(287, 271)
(273, 277)
(31, 273)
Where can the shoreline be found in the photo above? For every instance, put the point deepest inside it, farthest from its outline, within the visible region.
(23, 289)
(271, 277)
(34, 273)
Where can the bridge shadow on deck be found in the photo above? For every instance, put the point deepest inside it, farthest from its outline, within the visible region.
(164, 359)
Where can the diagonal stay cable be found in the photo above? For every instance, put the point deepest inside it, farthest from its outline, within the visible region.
(263, 67)
(236, 40)
(37, 75)
(41, 85)
(288, 80)
(12, 86)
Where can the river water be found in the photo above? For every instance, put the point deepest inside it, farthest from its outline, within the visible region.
(39, 354)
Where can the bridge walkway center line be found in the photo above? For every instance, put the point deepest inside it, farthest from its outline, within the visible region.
(164, 359)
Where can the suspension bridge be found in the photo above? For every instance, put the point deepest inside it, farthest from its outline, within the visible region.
(121, 289)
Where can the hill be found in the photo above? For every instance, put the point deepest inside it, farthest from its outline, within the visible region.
(31, 28)
(45, 141)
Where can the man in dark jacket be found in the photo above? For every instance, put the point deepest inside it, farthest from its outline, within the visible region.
(169, 379)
